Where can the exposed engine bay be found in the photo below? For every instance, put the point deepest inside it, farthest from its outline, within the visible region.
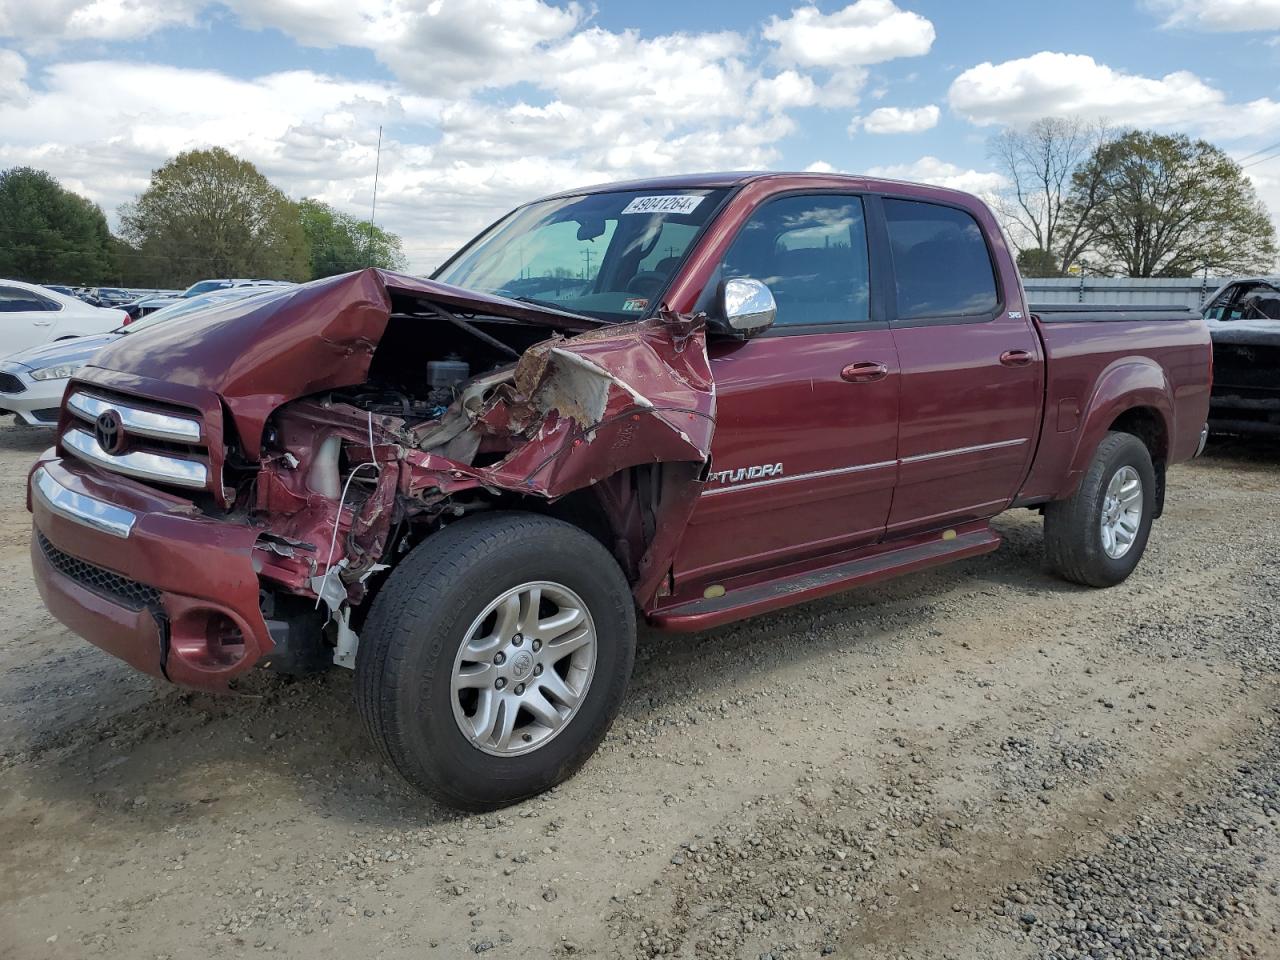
(343, 422)
(494, 413)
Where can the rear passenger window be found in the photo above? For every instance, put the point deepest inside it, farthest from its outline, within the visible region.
(812, 252)
(17, 300)
(940, 261)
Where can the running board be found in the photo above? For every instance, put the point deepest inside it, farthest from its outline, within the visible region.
(775, 594)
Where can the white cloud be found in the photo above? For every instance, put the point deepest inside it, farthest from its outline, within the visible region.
(898, 120)
(493, 102)
(1266, 181)
(102, 126)
(820, 166)
(866, 32)
(1220, 15)
(456, 45)
(786, 90)
(441, 46)
(680, 75)
(44, 21)
(13, 71)
(1064, 84)
(943, 174)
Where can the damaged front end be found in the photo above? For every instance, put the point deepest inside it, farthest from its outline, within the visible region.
(464, 407)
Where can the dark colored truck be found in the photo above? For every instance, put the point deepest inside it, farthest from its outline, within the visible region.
(690, 400)
(1243, 316)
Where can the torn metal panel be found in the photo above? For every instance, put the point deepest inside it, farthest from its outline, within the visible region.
(607, 400)
(574, 411)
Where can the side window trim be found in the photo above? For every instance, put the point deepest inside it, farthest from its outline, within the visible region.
(890, 293)
(821, 329)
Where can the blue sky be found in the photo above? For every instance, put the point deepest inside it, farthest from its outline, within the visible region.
(487, 103)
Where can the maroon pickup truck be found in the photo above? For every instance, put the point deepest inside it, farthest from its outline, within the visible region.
(692, 399)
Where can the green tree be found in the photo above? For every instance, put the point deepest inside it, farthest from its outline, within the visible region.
(49, 234)
(1170, 206)
(338, 243)
(208, 213)
(1038, 262)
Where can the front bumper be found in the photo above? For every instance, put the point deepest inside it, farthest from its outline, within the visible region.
(38, 402)
(146, 577)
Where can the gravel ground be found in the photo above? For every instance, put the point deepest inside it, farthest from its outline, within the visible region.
(978, 762)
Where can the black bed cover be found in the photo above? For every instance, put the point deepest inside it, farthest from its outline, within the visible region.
(1110, 312)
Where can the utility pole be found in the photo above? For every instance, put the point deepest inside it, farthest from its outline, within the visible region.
(377, 169)
(587, 256)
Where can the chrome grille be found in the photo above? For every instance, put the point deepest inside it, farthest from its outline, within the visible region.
(142, 442)
(138, 421)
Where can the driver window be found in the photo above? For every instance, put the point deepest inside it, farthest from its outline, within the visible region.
(812, 253)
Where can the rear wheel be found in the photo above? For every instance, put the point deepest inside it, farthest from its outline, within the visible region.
(496, 657)
(1098, 536)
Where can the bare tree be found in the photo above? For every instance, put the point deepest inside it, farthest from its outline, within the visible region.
(1038, 162)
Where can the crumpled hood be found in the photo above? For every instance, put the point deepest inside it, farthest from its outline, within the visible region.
(259, 353)
(75, 350)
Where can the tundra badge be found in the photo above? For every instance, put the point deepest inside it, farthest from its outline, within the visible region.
(758, 472)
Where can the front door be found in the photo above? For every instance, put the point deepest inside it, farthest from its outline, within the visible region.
(972, 371)
(804, 456)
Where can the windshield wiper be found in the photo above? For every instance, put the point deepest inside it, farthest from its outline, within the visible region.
(539, 303)
(551, 305)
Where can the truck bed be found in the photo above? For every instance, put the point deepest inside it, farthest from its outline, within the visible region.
(1091, 349)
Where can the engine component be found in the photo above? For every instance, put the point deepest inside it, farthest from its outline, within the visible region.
(443, 376)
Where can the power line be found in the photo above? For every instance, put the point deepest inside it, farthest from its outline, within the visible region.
(1256, 152)
(1254, 163)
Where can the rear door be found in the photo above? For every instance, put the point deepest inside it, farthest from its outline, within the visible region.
(804, 455)
(972, 370)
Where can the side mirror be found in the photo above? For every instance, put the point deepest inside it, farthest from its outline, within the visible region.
(747, 306)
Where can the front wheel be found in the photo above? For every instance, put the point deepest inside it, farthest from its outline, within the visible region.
(495, 658)
(1097, 537)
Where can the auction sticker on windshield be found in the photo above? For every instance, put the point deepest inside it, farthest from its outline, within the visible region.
(673, 203)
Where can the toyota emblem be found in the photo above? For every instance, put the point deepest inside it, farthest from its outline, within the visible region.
(109, 432)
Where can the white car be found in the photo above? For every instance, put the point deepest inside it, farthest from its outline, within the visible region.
(32, 381)
(159, 301)
(31, 315)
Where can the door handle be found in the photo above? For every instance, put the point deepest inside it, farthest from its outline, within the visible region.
(865, 371)
(42, 323)
(1016, 358)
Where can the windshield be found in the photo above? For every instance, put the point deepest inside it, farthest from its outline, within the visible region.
(608, 255)
(204, 286)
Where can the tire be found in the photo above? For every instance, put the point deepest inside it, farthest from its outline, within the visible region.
(410, 659)
(1076, 544)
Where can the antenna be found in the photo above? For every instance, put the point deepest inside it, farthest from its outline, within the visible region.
(377, 169)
